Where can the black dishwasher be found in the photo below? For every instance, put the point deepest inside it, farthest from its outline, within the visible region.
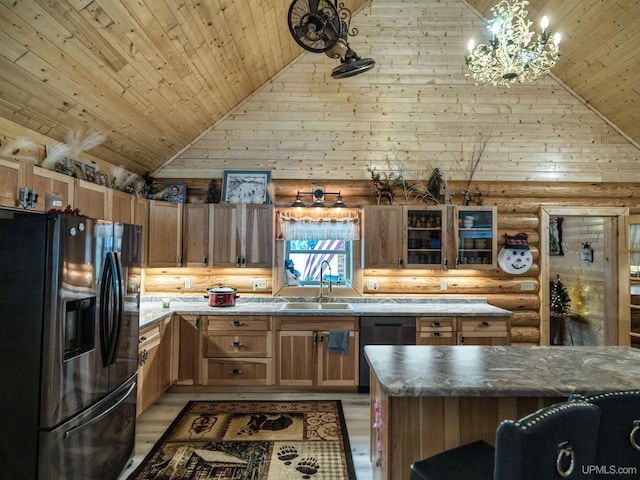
(383, 331)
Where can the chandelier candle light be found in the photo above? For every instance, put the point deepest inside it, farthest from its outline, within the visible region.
(511, 55)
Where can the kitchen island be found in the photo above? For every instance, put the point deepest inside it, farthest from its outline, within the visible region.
(427, 399)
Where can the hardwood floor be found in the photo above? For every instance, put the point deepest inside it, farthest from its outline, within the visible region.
(154, 422)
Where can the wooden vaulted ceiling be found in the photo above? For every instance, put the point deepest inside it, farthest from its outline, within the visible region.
(154, 74)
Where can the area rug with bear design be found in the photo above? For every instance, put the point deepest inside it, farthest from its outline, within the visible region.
(253, 440)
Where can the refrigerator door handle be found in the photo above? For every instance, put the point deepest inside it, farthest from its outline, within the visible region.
(105, 308)
(118, 313)
(97, 418)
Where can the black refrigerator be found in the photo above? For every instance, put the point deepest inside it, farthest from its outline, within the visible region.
(68, 346)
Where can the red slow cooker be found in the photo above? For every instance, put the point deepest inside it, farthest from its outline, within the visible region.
(221, 296)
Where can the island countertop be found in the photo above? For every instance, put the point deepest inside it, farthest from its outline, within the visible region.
(496, 371)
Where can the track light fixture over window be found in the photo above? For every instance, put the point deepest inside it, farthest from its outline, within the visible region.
(512, 54)
(318, 199)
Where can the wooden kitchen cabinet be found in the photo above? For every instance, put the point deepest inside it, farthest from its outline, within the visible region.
(434, 237)
(141, 217)
(154, 363)
(634, 283)
(45, 181)
(93, 201)
(195, 235)
(122, 206)
(188, 346)
(383, 237)
(12, 179)
(303, 359)
(237, 350)
(463, 331)
(165, 234)
(242, 236)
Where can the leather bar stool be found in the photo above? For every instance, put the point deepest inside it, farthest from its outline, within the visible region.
(619, 434)
(553, 443)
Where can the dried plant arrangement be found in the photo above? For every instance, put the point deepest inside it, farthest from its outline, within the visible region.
(57, 158)
(77, 144)
(470, 170)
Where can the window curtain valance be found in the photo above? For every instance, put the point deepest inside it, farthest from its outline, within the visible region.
(320, 224)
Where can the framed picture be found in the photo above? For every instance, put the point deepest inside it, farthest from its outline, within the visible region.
(140, 188)
(103, 179)
(90, 173)
(246, 186)
(79, 170)
(175, 192)
(555, 236)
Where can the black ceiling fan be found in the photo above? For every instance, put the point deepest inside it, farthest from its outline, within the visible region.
(323, 27)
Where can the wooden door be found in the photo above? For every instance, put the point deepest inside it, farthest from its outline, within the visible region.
(195, 235)
(226, 245)
(141, 217)
(92, 200)
(336, 369)
(122, 206)
(296, 362)
(383, 236)
(187, 368)
(165, 234)
(258, 236)
(12, 178)
(48, 182)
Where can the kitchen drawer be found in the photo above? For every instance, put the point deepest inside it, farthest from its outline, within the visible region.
(241, 371)
(483, 325)
(436, 338)
(435, 324)
(228, 322)
(149, 338)
(237, 344)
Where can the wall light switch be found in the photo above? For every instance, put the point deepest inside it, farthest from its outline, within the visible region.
(372, 285)
(443, 285)
(187, 283)
(259, 283)
(527, 286)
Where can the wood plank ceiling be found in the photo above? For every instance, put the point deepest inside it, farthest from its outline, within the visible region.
(152, 75)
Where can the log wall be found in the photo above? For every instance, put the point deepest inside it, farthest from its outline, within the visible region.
(518, 206)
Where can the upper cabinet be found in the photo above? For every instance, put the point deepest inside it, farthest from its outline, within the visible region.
(12, 177)
(93, 201)
(242, 236)
(438, 237)
(165, 234)
(477, 238)
(195, 235)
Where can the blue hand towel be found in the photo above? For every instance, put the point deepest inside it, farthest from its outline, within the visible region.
(338, 341)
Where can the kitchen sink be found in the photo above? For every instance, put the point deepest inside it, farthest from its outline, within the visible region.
(316, 306)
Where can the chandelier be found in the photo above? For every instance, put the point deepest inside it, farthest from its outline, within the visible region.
(512, 55)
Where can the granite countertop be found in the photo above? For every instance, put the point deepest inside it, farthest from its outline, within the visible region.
(494, 371)
(151, 308)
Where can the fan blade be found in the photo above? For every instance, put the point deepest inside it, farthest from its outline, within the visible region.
(313, 5)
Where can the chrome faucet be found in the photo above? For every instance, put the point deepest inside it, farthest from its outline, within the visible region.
(322, 296)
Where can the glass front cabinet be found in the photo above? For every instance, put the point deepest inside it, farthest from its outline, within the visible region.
(445, 237)
(476, 238)
(425, 236)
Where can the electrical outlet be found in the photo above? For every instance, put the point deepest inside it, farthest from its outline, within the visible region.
(372, 285)
(443, 285)
(259, 283)
(187, 283)
(527, 286)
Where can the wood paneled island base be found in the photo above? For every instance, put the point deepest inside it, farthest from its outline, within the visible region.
(427, 399)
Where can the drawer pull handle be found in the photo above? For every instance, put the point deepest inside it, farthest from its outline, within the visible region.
(235, 372)
(236, 344)
(237, 323)
(484, 324)
(436, 334)
(142, 339)
(436, 324)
